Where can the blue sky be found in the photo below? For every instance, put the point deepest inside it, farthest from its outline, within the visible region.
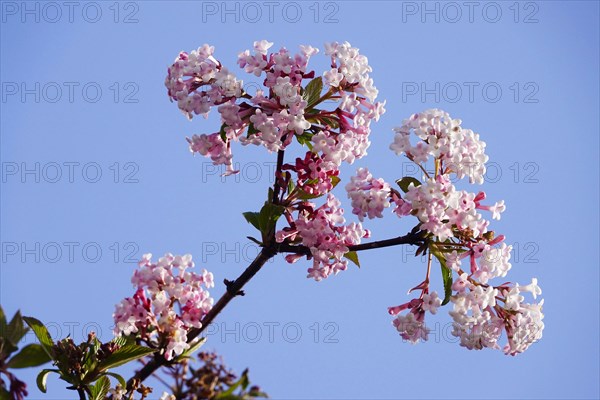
(84, 110)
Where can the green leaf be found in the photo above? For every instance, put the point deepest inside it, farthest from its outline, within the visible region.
(307, 196)
(2, 322)
(124, 355)
(405, 182)
(244, 381)
(42, 377)
(118, 377)
(122, 340)
(252, 218)
(252, 130)
(30, 356)
(312, 92)
(353, 256)
(186, 354)
(305, 139)
(100, 389)
(450, 249)
(222, 133)
(41, 333)
(267, 219)
(446, 273)
(291, 186)
(330, 121)
(228, 394)
(16, 329)
(4, 394)
(7, 348)
(334, 181)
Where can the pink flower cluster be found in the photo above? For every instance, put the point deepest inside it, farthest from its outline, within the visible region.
(458, 150)
(168, 302)
(198, 70)
(411, 326)
(369, 195)
(289, 109)
(274, 116)
(445, 211)
(322, 231)
(314, 175)
(277, 117)
(485, 261)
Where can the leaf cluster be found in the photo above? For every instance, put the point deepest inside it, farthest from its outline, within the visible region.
(85, 366)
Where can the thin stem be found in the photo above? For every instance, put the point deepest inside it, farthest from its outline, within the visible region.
(430, 258)
(449, 244)
(276, 187)
(424, 171)
(411, 238)
(81, 393)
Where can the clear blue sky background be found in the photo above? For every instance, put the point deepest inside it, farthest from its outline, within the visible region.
(543, 141)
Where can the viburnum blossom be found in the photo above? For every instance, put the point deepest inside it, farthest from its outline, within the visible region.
(200, 70)
(347, 64)
(284, 109)
(482, 314)
(455, 232)
(314, 175)
(169, 301)
(369, 195)
(411, 326)
(287, 108)
(323, 232)
(330, 113)
(458, 150)
(445, 211)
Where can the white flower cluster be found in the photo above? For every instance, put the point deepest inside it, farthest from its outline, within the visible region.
(479, 318)
(197, 69)
(441, 208)
(369, 195)
(486, 261)
(169, 301)
(460, 150)
(350, 65)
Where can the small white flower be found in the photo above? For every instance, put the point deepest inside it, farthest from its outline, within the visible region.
(431, 302)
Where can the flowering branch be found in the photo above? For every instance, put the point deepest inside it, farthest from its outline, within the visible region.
(450, 226)
(330, 116)
(234, 288)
